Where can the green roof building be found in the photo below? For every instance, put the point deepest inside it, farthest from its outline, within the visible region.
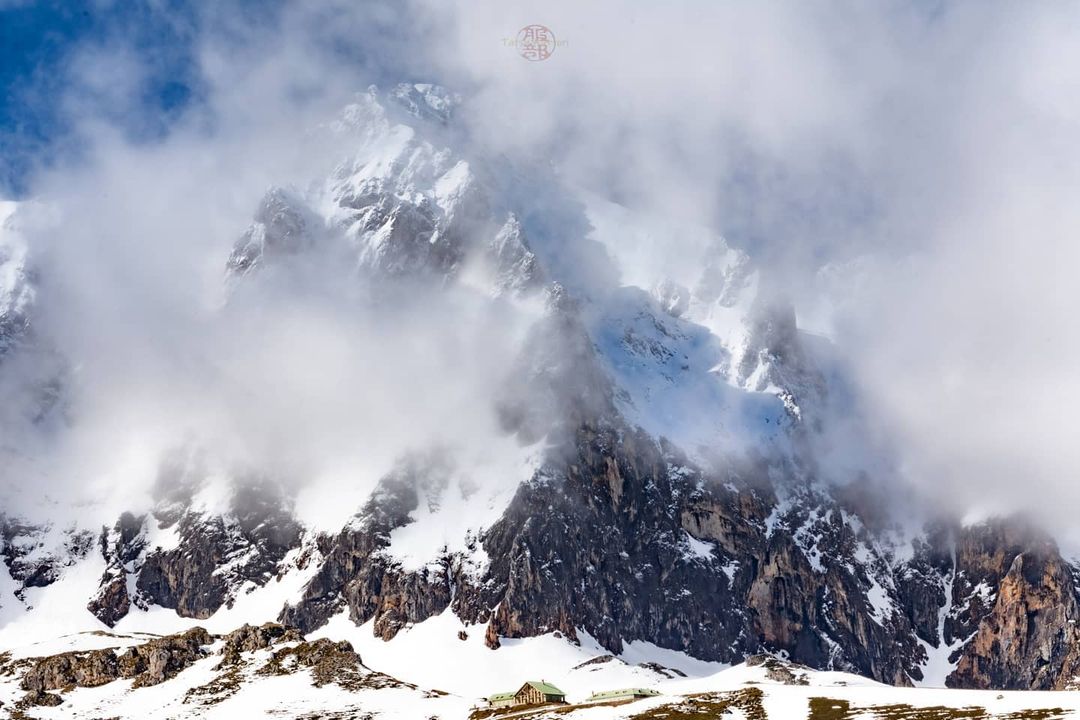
(626, 694)
(501, 699)
(533, 692)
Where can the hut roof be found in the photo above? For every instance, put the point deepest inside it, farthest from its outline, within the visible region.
(621, 693)
(545, 687)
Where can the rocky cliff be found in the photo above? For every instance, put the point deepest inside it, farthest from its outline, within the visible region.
(678, 497)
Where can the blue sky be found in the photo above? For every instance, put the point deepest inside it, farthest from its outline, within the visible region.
(41, 44)
(47, 86)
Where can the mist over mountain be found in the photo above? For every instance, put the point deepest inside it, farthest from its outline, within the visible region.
(710, 336)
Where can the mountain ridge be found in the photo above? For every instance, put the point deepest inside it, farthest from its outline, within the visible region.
(667, 488)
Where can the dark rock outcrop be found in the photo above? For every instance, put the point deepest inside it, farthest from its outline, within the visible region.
(1028, 638)
(624, 539)
(162, 658)
(921, 585)
(779, 671)
(33, 558)
(72, 669)
(249, 638)
(356, 574)
(149, 664)
(122, 548)
(217, 554)
(38, 698)
(329, 662)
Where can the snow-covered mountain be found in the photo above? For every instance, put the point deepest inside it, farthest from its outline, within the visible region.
(659, 481)
(16, 290)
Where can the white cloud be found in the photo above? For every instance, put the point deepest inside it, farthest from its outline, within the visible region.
(928, 149)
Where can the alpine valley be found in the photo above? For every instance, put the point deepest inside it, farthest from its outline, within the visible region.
(661, 493)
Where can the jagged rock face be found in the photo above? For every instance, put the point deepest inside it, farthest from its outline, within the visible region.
(31, 559)
(283, 225)
(418, 213)
(984, 554)
(1027, 638)
(921, 588)
(397, 236)
(217, 554)
(357, 574)
(400, 207)
(426, 101)
(599, 544)
(635, 545)
(774, 357)
(831, 600)
(122, 548)
(514, 264)
(626, 541)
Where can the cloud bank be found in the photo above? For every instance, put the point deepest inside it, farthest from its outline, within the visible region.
(904, 172)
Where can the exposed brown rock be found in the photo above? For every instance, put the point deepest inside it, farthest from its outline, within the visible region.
(216, 554)
(111, 603)
(329, 661)
(779, 671)
(491, 637)
(162, 658)
(249, 638)
(149, 664)
(38, 698)
(71, 669)
(358, 575)
(121, 548)
(1029, 639)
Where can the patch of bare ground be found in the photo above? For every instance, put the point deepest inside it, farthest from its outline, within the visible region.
(221, 687)
(709, 706)
(692, 707)
(832, 709)
(524, 712)
(335, 715)
(329, 662)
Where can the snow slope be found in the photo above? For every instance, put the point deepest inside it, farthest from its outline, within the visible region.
(460, 672)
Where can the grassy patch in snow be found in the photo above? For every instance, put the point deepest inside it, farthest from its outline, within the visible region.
(832, 709)
(708, 706)
(222, 687)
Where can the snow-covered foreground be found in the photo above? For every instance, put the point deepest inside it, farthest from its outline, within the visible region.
(442, 669)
